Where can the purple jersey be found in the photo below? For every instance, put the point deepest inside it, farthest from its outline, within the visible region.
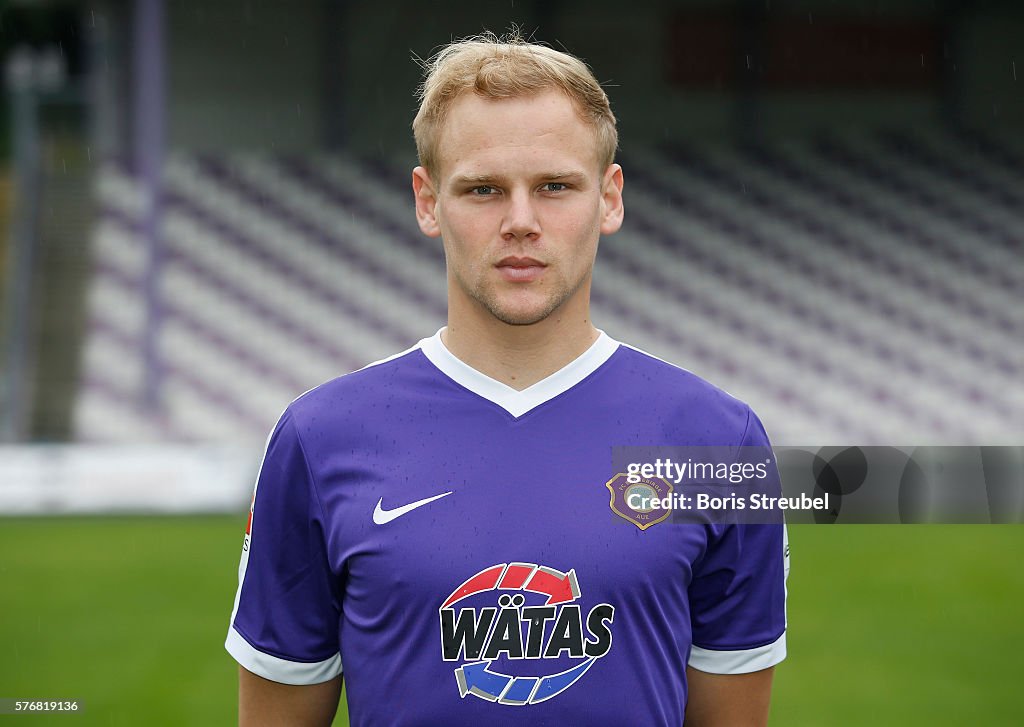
(448, 542)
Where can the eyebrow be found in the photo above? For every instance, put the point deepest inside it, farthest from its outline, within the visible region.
(466, 179)
(462, 179)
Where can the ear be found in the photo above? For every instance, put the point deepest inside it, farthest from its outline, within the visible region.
(611, 200)
(426, 202)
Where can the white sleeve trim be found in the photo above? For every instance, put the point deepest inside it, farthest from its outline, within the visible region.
(277, 669)
(740, 661)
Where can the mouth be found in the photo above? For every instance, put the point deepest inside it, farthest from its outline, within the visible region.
(520, 269)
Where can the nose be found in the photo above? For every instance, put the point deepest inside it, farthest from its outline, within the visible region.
(520, 221)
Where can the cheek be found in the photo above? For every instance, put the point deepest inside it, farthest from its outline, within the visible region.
(464, 237)
(581, 225)
(470, 225)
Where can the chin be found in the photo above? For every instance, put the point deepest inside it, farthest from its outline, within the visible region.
(521, 307)
(521, 314)
(517, 319)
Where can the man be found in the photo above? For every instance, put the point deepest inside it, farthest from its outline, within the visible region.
(436, 526)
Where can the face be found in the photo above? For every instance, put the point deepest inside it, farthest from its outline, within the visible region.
(519, 199)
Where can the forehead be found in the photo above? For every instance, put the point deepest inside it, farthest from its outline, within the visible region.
(514, 136)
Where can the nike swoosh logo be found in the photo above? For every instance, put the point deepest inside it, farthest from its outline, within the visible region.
(382, 516)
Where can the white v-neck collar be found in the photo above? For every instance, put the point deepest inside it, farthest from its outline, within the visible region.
(511, 400)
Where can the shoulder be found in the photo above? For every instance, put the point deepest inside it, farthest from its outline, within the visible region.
(658, 386)
(358, 392)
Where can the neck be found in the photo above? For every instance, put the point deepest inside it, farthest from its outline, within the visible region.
(519, 356)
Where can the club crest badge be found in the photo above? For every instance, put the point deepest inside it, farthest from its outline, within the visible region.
(639, 502)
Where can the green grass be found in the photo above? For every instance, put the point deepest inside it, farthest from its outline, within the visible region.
(889, 625)
(127, 614)
(904, 625)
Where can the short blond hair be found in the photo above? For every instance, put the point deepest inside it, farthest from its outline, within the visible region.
(507, 67)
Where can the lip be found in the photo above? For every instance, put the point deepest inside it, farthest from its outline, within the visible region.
(520, 269)
(520, 262)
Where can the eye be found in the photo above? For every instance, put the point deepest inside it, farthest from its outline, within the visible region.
(555, 187)
(483, 191)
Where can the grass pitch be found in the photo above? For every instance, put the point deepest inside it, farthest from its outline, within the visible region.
(127, 614)
(889, 625)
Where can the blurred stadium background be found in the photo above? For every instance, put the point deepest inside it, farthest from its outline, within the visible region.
(207, 210)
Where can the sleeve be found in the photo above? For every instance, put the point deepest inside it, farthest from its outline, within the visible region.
(738, 590)
(284, 625)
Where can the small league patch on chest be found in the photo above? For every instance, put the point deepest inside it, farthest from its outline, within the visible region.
(528, 645)
(639, 502)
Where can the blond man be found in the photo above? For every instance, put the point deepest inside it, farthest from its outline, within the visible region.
(436, 527)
